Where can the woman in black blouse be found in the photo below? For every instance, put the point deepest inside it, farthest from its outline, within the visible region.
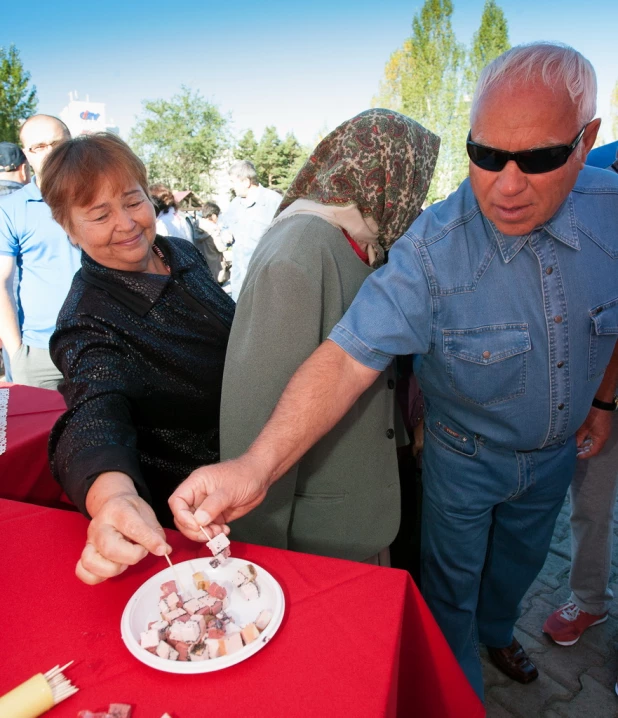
(141, 343)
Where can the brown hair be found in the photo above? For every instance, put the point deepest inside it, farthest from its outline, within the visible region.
(73, 172)
(164, 195)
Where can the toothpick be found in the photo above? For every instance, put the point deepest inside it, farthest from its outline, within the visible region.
(203, 530)
(176, 576)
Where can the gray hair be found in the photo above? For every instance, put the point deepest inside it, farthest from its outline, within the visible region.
(243, 169)
(555, 64)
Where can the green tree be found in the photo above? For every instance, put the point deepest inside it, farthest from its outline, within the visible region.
(429, 79)
(18, 101)
(489, 41)
(180, 140)
(277, 161)
(246, 147)
(293, 157)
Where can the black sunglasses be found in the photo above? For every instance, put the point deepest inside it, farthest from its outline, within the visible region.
(531, 162)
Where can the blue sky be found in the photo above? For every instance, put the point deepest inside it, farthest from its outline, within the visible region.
(299, 66)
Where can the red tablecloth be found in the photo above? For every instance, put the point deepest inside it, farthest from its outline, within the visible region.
(356, 640)
(24, 471)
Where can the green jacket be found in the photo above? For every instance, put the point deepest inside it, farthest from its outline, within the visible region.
(342, 498)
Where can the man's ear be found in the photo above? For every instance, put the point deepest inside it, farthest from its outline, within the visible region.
(590, 136)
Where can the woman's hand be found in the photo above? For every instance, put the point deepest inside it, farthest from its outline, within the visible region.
(217, 494)
(123, 530)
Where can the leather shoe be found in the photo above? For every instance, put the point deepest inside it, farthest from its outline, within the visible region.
(514, 662)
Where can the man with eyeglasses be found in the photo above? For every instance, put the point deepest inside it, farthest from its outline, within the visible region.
(507, 295)
(37, 264)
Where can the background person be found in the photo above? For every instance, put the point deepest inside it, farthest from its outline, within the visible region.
(499, 292)
(358, 192)
(140, 342)
(593, 499)
(170, 221)
(37, 264)
(213, 243)
(247, 218)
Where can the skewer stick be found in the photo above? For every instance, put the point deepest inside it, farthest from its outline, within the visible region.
(179, 583)
(203, 530)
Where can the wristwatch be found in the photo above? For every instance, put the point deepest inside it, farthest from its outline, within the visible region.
(605, 405)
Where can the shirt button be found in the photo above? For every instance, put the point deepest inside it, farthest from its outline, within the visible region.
(486, 355)
(390, 434)
(549, 270)
(390, 383)
(560, 364)
(560, 407)
(558, 318)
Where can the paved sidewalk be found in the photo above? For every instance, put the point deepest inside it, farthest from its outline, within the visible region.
(575, 681)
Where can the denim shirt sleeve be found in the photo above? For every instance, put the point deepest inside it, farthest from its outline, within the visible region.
(392, 313)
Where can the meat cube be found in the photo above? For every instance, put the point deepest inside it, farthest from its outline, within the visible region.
(217, 591)
(160, 627)
(119, 710)
(224, 618)
(218, 543)
(191, 606)
(149, 639)
(173, 615)
(214, 563)
(215, 633)
(173, 601)
(231, 644)
(250, 590)
(183, 650)
(89, 714)
(196, 618)
(198, 593)
(164, 650)
(167, 588)
(198, 652)
(188, 632)
(263, 619)
(249, 633)
(199, 581)
(212, 646)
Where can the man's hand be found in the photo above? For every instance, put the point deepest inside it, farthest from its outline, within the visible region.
(218, 493)
(593, 433)
(123, 531)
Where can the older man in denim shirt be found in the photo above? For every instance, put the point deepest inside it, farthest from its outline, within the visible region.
(507, 293)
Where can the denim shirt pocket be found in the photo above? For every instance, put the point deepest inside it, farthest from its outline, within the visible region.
(487, 365)
(603, 335)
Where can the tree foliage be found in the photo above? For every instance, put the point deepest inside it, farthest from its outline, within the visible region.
(18, 101)
(430, 79)
(276, 161)
(180, 140)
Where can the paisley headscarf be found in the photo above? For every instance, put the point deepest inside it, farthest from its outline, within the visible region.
(369, 176)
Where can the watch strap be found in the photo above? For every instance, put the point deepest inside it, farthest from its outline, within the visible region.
(605, 405)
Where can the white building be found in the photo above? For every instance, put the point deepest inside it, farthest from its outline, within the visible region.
(84, 117)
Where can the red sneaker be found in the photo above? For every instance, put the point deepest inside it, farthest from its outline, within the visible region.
(567, 623)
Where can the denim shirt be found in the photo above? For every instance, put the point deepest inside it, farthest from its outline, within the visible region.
(248, 219)
(512, 334)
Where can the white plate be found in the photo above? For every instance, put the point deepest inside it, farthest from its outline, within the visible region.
(143, 607)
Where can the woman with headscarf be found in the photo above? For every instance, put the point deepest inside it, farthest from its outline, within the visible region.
(360, 190)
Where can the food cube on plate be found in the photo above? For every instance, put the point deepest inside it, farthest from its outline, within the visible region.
(263, 619)
(149, 639)
(168, 587)
(192, 605)
(188, 632)
(170, 616)
(231, 644)
(173, 600)
(198, 652)
(212, 646)
(214, 563)
(164, 650)
(250, 590)
(199, 581)
(249, 633)
(217, 591)
(244, 575)
(218, 543)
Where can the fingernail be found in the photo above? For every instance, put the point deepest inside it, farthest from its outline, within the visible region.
(162, 550)
(202, 518)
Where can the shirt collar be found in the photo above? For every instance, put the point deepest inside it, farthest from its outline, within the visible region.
(561, 226)
(138, 291)
(33, 192)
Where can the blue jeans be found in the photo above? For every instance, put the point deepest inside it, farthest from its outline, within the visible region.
(488, 519)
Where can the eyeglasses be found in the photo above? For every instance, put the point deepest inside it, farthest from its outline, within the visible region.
(531, 162)
(43, 146)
